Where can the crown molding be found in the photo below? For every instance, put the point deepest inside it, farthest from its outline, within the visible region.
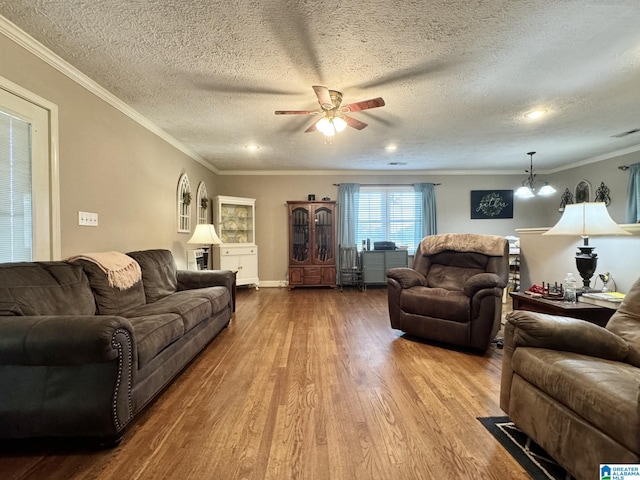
(599, 158)
(26, 41)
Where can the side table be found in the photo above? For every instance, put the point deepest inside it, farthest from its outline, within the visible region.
(583, 311)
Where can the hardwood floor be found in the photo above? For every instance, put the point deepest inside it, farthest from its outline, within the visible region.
(304, 384)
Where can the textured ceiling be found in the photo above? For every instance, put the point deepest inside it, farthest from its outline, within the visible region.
(456, 76)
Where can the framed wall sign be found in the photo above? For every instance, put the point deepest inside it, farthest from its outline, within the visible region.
(491, 204)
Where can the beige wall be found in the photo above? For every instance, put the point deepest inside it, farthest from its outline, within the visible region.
(109, 164)
(549, 258)
(452, 199)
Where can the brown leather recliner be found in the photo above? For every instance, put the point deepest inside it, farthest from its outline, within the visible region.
(453, 293)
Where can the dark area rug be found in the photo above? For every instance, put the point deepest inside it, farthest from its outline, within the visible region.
(529, 455)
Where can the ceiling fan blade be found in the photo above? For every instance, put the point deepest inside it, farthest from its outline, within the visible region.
(312, 128)
(324, 98)
(296, 112)
(364, 105)
(352, 122)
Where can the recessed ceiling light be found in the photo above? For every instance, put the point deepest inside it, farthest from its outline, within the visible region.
(535, 114)
(252, 147)
(391, 147)
(397, 163)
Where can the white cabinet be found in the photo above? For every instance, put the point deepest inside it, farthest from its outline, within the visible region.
(240, 259)
(235, 223)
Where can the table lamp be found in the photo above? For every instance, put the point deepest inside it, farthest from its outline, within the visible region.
(205, 235)
(586, 219)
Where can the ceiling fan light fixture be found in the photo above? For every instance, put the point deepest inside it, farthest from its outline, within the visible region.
(252, 147)
(324, 126)
(339, 124)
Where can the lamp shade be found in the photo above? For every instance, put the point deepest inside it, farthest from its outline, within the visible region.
(205, 234)
(524, 192)
(586, 219)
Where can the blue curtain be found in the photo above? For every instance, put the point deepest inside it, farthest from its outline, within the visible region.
(633, 194)
(429, 221)
(347, 213)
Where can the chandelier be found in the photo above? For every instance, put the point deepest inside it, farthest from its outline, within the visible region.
(527, 189)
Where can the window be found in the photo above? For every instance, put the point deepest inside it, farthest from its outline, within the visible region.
(29, 190)
(184, 204)
(15, 190)
(390, 214)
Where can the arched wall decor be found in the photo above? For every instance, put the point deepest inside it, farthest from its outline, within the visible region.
(202, 202)
(183, 200)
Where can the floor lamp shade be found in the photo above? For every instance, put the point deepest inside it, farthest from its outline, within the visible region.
(586, 220)
(205, 235)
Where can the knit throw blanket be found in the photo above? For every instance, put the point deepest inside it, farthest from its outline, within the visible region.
(491, 245)
(121, 270)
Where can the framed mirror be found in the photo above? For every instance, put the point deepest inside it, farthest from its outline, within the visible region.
(583, 192)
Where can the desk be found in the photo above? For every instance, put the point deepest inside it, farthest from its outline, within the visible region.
(583, 311)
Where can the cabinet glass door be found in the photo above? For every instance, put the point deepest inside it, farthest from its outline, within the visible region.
(300, 235)
(323, 235)
(236, 223)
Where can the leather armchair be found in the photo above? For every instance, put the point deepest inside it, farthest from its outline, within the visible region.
(453, 292)
(573, 386)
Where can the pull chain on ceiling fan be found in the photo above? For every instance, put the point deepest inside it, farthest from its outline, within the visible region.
(335, 117)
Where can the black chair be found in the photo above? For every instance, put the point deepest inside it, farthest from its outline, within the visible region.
(350, 265)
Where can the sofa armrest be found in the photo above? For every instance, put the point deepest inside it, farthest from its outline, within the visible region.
(192, 279)
(62, 339)
(482, 281)
(540, 330)
(407, 277)
(66, 375)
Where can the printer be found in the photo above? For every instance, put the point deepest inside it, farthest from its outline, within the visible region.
(384, 245)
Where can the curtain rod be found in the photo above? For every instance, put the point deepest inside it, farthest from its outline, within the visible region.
(386, 184)
(624, 167)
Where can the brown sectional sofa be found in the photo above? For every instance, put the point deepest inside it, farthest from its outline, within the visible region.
(81, 358)
(574, 387)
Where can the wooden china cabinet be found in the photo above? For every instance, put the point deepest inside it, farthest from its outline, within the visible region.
(312, 244)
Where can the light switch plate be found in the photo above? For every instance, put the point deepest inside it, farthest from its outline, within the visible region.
(88, 219)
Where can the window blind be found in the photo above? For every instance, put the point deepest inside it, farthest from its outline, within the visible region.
(390, 214)
(16, 233)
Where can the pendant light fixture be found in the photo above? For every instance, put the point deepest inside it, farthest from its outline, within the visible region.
(527, 189)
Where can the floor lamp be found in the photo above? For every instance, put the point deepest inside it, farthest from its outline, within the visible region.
(586, 220)
(205, 235)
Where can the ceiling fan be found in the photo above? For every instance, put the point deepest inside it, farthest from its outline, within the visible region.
(335, 117)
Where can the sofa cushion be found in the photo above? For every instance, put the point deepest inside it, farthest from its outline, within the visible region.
(111, 300)
(193, 309)
(158, 273)
(219, 297)
(153, 333)
(450, 277)
(437, 303)
(603, 392)
(45, 288)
